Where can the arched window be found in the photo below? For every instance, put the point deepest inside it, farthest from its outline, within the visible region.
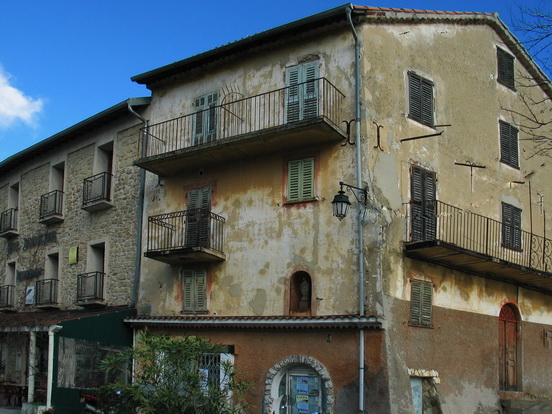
(300, 292)
(508, 328)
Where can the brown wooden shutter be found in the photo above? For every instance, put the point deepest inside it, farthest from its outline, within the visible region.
(423, 204)
(506, 75)
(421, 303)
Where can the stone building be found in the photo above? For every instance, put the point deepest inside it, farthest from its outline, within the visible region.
(433, 293)
(69, 228)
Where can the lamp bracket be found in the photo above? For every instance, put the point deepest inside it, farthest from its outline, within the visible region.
(363, 192)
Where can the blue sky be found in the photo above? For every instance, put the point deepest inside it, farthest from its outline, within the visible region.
(62, 61)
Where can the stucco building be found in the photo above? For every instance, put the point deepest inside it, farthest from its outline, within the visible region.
(433, 291)
(69, 228)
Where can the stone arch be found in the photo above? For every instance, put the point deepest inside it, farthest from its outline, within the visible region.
(275, 374)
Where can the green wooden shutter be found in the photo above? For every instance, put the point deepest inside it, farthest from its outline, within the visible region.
(198, 217)
(205, 119)
(301, 179)
(302, 92)
(194, 284)
(421, 303)
(423, 206)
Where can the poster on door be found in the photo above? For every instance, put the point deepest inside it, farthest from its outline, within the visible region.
(305, 393)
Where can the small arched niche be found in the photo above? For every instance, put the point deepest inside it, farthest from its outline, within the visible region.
(300, 293)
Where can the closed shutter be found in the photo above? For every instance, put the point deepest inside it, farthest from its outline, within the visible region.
(205, 120)
(420, 99)
(194, 283)
(423, 204)
(198, 217)
(509, 153)
(511, 227)
(302, 92)
(301, 179)
(421, 303)
(506, 75)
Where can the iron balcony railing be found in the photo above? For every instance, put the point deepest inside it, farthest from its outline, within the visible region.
(51, 204)
(7, 296)
(435, 220)
(96, 188)
(46, 292)
(8, 220)
(317, 98)
(90, 287)
(197, 227)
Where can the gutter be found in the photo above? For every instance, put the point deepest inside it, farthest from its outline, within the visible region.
(140, 213)
(358, 148)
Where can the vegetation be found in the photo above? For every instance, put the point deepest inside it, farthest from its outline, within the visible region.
(170, 376)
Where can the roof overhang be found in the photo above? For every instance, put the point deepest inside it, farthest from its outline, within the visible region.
(259, 322)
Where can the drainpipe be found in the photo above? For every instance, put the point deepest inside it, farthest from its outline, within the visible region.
(50, 382)
(361, 346)
(32, 359)
(141, 190)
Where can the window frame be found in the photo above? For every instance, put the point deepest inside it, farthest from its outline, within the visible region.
(300, 180)
(196, 301)
(505, 69)
(421, 303)
(509, 144)
(421, 99)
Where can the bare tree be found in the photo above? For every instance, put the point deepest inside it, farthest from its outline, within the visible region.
(533, 27)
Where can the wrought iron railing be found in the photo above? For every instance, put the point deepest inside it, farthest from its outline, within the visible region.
(197, 227)
(7, 296)
(8, 220)
(435, 220)
(90, 286)
(51, 204)
(96, 188)
(317, 98)
(46, 292)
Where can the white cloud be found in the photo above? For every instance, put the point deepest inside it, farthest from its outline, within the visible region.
(15, 105)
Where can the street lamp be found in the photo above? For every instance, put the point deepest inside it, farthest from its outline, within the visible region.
(341, 201)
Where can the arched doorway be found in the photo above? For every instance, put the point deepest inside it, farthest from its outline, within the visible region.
(508, 327)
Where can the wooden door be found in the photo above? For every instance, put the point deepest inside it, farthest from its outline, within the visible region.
(508, 348)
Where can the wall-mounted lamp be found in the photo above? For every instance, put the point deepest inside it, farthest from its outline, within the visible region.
(341, 201)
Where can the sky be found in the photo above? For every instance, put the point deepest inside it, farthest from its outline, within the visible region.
(63, 61)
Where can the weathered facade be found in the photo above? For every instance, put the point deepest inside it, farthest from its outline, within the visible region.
(246, 147)
(69, 226)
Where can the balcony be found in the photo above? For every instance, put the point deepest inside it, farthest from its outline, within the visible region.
(96, 192)
(8, 223)
(448, 236)
(7, 297)
(46, 293)
(186, 237)
(51, 207)
(301, 115)
(90, 289)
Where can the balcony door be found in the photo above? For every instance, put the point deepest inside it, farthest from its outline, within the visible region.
(302, 92)
(198, 216)
(205, 120)
(423, 204)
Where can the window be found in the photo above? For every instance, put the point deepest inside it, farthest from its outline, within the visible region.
(194, 286)
(97, 188)
(421, 303)
(420, 98)
(511, 227)
(300, 180)
(205, 120)
(302, 92)
(505, 69)
(509, 144)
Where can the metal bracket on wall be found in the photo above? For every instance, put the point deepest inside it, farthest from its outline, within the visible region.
(348, 131)
(378, 138)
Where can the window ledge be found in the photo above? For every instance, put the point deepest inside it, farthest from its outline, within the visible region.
(306, 200)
